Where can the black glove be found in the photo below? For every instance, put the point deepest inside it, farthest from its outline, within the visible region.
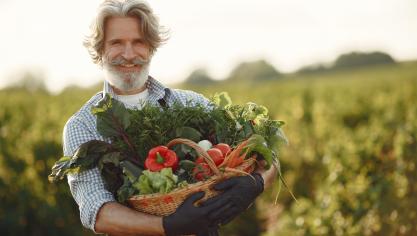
(212, 231)
(190, 219)
(242, 191)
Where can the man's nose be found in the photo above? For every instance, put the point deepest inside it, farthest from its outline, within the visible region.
(129, 53)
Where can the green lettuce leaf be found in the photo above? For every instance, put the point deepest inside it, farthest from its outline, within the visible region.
(163, 181)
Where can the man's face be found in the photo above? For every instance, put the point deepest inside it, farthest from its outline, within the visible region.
(126, 55)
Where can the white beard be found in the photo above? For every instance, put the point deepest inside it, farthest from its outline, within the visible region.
(126, 81)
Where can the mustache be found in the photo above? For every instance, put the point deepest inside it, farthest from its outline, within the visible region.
(120, 61)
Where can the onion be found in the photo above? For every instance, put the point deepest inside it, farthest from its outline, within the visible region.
(205, 144)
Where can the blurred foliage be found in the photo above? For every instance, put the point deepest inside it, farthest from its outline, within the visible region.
(350, 60)
(352, 156)
(351, 161)
(314, 68)
(254, 71)
(31, 81)
(199, 77)
(30, 142)
(356, 59)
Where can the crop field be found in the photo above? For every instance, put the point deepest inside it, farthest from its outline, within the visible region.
(351, 161)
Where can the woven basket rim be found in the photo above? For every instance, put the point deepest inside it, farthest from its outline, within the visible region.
(218, 174)
(178, 190)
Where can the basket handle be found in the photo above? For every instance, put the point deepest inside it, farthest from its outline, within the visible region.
(199, 150)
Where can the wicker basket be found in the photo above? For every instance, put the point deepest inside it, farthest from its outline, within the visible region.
(165, 204)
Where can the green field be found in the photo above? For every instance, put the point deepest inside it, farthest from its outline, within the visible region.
(351, 161)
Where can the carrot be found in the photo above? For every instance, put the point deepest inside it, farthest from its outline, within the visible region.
(235, 157)
(236, 161)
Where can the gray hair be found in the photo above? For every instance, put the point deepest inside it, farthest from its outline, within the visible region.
(153, 33)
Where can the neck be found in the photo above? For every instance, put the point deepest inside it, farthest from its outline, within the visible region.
(129, 92)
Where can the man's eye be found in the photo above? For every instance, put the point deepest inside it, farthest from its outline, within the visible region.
(140, 42)
(115, 43)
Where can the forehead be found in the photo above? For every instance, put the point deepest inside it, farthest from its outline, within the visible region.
(122, 28)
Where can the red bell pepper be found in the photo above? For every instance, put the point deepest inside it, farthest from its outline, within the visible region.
(161, 157)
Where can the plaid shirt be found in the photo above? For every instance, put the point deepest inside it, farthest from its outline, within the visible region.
(88, 187)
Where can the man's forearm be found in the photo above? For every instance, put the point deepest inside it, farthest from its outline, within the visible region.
(116, 219)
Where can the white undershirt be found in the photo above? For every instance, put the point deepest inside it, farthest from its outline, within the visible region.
(135, 100)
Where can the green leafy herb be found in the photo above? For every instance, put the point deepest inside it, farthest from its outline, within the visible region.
(86, 157)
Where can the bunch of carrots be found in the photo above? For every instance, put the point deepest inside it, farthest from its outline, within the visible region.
(223, 157)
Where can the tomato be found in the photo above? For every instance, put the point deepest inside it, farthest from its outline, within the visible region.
(224, 148)
(202, 171)
(200, 160)
(217, 155)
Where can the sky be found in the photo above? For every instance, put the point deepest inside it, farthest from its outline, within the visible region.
(45, 36)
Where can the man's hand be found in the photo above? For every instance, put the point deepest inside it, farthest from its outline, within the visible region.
(241, 191)
(189, 219)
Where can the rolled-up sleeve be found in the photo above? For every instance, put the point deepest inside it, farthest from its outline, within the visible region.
(88, 187)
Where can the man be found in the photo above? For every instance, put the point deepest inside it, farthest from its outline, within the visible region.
(123, 39)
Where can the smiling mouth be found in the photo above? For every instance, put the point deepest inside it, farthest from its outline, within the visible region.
(128, 67)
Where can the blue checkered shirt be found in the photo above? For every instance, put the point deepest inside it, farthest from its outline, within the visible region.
(87, 187)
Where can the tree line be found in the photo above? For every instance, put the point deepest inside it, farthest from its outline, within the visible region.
(261, 70)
